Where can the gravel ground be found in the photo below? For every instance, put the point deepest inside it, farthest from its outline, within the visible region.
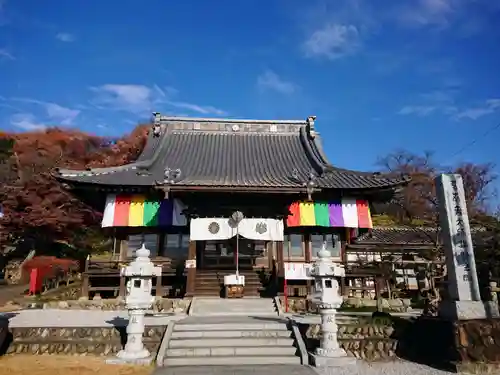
(77, 318)
(383, 368)
(361, 368)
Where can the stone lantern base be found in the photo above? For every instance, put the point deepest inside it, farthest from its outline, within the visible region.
(129, 361)
(338, 358)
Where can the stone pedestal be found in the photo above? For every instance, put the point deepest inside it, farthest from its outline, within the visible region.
(330, 354)
(134, 351)
(466, 310)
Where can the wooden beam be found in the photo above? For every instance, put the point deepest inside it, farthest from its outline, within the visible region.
(388, 247)
(191, 272)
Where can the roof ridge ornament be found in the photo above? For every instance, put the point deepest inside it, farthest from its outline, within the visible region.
(310, 127)
(171, 176)
(310, 185)
(156, 124)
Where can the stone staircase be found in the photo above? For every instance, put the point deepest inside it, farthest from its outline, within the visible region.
(230, 340)
(245, 307)
(209, 283)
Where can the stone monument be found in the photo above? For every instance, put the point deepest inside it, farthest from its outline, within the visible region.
(328, 299)
(464, 300)
(138, 299)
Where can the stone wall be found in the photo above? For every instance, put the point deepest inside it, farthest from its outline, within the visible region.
(432, 341)
(104, 341)
(478, 340)
(366, 339)
(301, 305)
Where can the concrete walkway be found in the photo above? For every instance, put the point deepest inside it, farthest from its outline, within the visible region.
(360, 368)
(236, 370)
(79, 318)
(247, 306)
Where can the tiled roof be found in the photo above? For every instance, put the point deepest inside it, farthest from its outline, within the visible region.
(411, 236)
(232, 153)
(398, 235)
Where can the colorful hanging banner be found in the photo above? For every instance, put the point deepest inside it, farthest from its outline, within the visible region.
(348, 213)
(141, 211)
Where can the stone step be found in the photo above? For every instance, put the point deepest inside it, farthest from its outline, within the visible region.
(208, 293)
(247, 306)
(231, 342)
(230, 334)
(217, 293)
(237, 326)
(232, 351)
(221, 281)
(216, 284)
(218, 288)
(231, 361)
(221, 277)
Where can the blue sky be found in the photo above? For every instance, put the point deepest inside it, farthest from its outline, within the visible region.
(379, 75)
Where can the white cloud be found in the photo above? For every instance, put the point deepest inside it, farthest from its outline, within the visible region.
(269, 80)
(419, 110)
(205, 110)
(66, 37)
(490, 106)
(26, 121)
(132, 98)
(438, 96)
(55, 112)
(493, 103)
(473, 113)
(332, 41)
(141, 99)
(441, 102)
(429, 12)
(6, 54)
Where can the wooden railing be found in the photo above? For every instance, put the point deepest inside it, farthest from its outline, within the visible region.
(111, 269)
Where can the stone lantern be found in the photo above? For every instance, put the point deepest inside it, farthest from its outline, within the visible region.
(328, 299)
(138, 300)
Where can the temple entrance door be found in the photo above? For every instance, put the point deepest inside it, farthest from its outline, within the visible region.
(222, 254)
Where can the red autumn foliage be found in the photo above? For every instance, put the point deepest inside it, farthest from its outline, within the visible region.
(34, 204)
(49, 267)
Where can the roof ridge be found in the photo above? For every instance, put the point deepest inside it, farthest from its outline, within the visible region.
(160, 118)
(404, 228)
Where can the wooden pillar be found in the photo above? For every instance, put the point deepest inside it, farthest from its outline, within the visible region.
(116, 246)
(191, 272)
(344, 291)
(159, 286)
(122, 291)
(280, 258)
(85, 279)
(270, 254)
(121, 239)
(307, 248)
(308, 258)
(280, 267)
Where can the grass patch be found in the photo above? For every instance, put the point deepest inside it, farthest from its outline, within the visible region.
(64, 365)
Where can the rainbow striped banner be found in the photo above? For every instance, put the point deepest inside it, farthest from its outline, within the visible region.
(348, 213)
(140, 211)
